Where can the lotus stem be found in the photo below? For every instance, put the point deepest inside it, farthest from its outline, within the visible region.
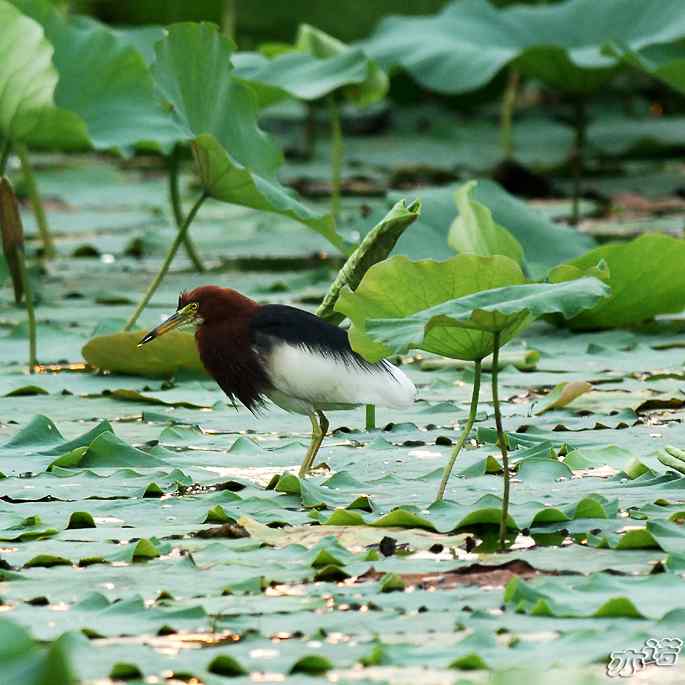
(5, 149)
(507, 114)
(30, 313)
(578, 156)
(370, 417)
(228, 18)
(502, 440)
(171, 253)
(310, 131)
(465, 433)
(336, 155)
(36, 201)
(175, 198)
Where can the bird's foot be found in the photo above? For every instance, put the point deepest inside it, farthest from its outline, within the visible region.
(318, 470)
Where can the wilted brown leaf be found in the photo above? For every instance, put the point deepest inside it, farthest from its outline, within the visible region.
(561, 395)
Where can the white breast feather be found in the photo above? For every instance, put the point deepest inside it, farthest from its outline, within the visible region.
(312, 377)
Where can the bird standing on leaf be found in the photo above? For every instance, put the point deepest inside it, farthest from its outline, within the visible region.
(297, 360)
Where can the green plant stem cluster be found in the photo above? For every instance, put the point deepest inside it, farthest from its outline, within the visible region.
(501, 437)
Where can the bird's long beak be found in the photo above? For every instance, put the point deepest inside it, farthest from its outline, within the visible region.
(180, 318)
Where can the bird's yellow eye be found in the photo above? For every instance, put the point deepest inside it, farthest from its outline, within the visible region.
(190, 308)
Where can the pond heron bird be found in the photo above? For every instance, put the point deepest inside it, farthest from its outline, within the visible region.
(293, 358)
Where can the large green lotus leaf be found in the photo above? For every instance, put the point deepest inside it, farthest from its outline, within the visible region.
(317, 65)
(504, 310)
(142, 38)
(399, 287)
(465, 45)
(619, 135)
(218, 113)
(119, 353)
(105, 90)
(28, 80)
(665, 62)
(474, 231)
(27, 77)
(321, 45)
(231, 182)
(266, 77)
(545, 243)
(299, 75)
(469, 144)
(193, 73)
(646, 277)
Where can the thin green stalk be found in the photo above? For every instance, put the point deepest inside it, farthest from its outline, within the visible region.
(228, 18)
(370, 417)
(166, 263)
(578, 156)
(36, 201)
(502, 440)
(28, 298)
(336, 155)
(175, 198)
(507, 114)
(465, 433)
(310, 131)
(5, 149)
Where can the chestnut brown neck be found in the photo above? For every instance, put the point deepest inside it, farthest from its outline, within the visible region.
(225, 345)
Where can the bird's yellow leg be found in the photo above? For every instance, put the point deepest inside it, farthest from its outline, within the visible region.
(323, 431)
(313, 446)
(319, 430)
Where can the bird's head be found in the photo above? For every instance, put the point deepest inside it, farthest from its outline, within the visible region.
(205, 305)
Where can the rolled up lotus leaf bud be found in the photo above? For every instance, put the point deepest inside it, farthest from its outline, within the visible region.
(12, 234)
